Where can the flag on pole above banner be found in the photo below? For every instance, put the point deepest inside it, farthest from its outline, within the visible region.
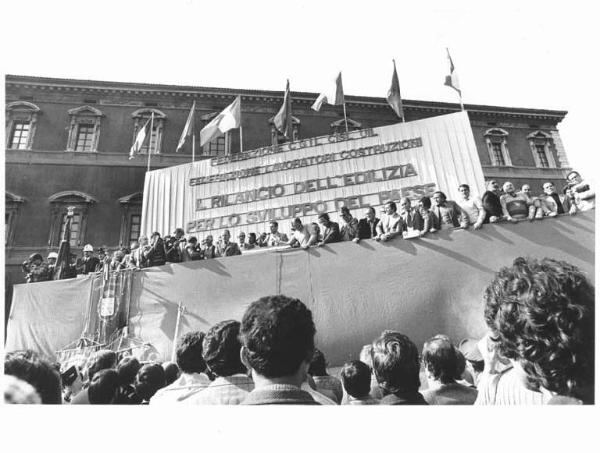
(139, 140)
(283, 119)
(334, 94)
(452, 78)
(230, 118)
(188, 129)
(393, 96)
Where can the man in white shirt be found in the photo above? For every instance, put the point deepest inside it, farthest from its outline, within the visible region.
(301, 235)
(472, 206)
(275, 238)
(390, 225)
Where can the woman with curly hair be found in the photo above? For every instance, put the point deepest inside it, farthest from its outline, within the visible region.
(540, 314)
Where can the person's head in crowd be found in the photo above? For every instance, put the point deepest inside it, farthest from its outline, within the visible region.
(36, 259)
(464, 191)
(356, 378)
(251, 238)
(88, 250)
(193, 241)
(178, 233)
(273, 226)
(297, 224)
(101, 360)
(155, 238)
(442, 361)
(508, 188)
(324, 219)
(345, 214)
(549, 188)
(574, 178)
(541, 315)
(242, 238)
(126, 251)
(475, 364)
(396, 362)
(102, 253)
(73, 258)
(439, 197)
(103, 387)
(189, 353)
(42, 375)
(526, 189)
(171, 372)
(17, 391)
(209, 240)
(127, 370)
(226, 236)
(405, 204)
(263, 238)
(149, 380)
(52, 257)
(221, 349)
(277, 335)
(316, 230)
(568, 192)
(318, 364)
(390, 208)
(370, 214)
(134, 246)
(493, 186)
(143, 241)
(118, 256)
(425, 204)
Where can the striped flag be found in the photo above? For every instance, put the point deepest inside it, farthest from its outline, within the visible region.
(230, 118)
(188, 129)
(452, 78)
(283, 119)
(139, 139)
(334, 94)
(393, 96)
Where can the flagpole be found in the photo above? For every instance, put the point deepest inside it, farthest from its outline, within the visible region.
(193, 146)
(150, 139)
(241, 138)
(345, 117)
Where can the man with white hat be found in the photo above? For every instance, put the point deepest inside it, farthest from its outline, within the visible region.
(52, 257)
(89, 262)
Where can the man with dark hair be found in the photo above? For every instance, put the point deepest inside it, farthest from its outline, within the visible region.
(221, 352)
(356, 378)
(30, 367)
(148, 381)
(491, 202)
(103, 359)
(472, 206)
(172, 372)
(302, 236)
(390, 225)
(554, 203)
(103, 387)
(190, 362)
(155, 255)
(208, 249)
(191, 252)
(329, 386)
(540, 314)
(277, 335)
(367, 226)
(331, 230)
(447, 213)
(426, 215)
(349, 229)
(396, 366)
(585, 196)
(444, 364)
(275, 238)
(127, 370)
(226, 247)
(35, 269)
(514, 205)
(411, 218)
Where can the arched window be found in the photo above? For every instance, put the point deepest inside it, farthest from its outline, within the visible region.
(84, 129)
(539, 142)
(221, 145)
(12, 205)
(21, 121)
(498, 150)
(277, 137)
(131, 219)
(339, 126)
(59, 204)
(140, 117)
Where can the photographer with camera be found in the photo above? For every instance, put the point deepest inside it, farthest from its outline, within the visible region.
(35, 269)
(156, 253)
(584, 195)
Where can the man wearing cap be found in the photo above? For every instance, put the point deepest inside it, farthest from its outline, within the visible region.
(35, 269)
(52, 257)
(89, 262)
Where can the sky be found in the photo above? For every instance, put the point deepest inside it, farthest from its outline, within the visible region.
(511, 53)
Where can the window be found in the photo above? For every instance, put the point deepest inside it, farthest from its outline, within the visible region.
(84, 129)
(339, 126)
(154, 143)
(60, 204)
(21, 120)
(540, 141)
(221, 145)
(278, 138)
(12, 207)
(496, 140)
(217, 146)
(131, 219)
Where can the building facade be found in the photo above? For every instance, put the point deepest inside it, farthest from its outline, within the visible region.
(68, 143)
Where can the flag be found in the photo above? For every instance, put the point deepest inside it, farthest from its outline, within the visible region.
(230, 118)
(63, 261)
(139, 139)
(334, 94)
(283, 119)
(452, 78)
(393, 96)
(188, 129)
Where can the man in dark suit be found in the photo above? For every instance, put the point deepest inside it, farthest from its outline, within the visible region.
(89, 263)
(331, 232)
(367, 226)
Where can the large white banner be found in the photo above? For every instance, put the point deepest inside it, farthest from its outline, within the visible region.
(363, 168)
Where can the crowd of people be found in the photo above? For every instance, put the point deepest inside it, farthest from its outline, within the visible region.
(539, 349)
(431, 214)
